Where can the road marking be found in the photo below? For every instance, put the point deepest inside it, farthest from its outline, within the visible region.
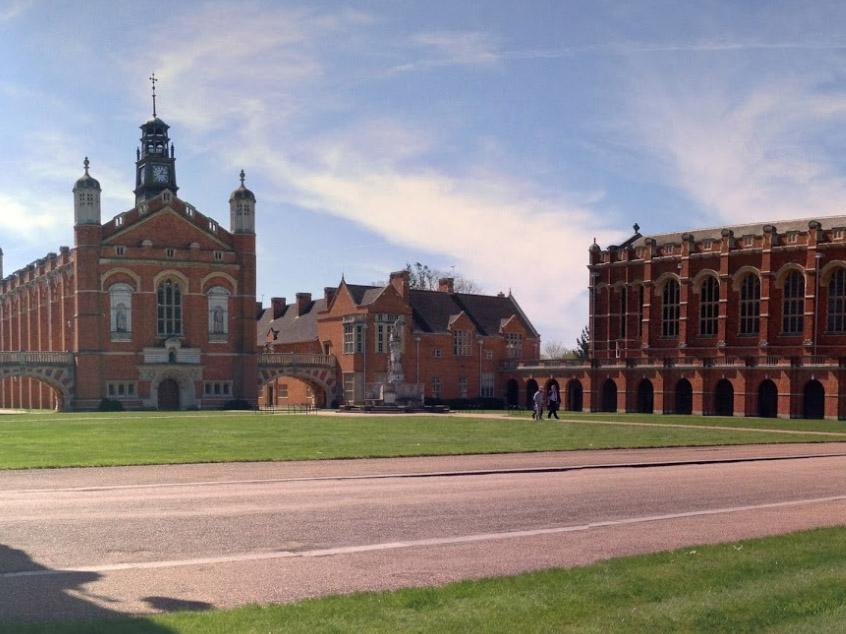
(432, 541)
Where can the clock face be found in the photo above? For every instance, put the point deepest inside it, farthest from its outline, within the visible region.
(160, 173)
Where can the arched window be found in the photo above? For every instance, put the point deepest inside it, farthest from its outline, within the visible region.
(750, 305)
(218, 312)
(709, 306)
(169, 309)
(120, 301)
(837, 302)
(670, 309)
(793, 304)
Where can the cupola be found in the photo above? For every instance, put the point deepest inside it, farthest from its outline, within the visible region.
(242, 209)
(86, 199)
(155, 164)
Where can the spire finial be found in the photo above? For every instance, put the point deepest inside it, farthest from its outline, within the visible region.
(636, 228)
(85, 163)
(153, 80)
(242, 178)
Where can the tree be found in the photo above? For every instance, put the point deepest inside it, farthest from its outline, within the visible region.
(555, 350)
(425, 278)
(583, 344)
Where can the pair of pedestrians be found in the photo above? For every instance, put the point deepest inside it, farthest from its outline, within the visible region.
(553, 403)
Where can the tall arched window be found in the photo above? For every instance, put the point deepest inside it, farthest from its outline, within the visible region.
(218, 312)
(670, 308)
(120, 303)
(750, 305)
(837, 302)
(709, 306)
(793, 304)
(169, 313)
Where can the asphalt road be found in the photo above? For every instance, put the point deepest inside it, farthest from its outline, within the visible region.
(78, 543)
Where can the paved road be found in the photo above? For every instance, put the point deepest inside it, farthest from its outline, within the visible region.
(93, 542)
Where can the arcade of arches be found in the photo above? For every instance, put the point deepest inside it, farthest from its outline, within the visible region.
(800, 394)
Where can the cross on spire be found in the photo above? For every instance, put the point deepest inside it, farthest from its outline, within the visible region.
(242, 178)
(153, 80)
(85, 164)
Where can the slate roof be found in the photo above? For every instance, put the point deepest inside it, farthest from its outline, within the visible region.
(757, 229)
(431, 311)
(291, 328)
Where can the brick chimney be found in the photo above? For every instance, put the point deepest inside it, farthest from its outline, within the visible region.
(446, 285)
(303, 300)
(329, 293)
(259, 310)
(399, 280)
(278, 304)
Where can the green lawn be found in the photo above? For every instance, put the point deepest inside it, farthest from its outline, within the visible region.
(791, 583)
(53, 440)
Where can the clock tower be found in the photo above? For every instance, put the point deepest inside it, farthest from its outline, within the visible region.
(155, 161)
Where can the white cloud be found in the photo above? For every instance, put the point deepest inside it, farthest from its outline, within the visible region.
(453, 48)
(14, 8)
(752, 152)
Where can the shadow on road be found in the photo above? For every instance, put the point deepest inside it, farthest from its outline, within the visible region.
(31, 593)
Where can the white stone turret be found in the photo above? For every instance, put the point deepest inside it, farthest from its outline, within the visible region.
(86, 199)
(242, 210)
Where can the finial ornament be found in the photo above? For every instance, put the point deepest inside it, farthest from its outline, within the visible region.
(85, 163)
(242, 178)
(153, 80)
(636, 228)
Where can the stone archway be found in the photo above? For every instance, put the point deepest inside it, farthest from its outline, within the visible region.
(512, 393)
(167, 395)
(724, 398)
(531, 388)
(59, 381)
(645, 397)
(575, 396)
(813, 400)
(684, 397)
(185, 379)
(609, 396)
(321, 381)
(767, 399)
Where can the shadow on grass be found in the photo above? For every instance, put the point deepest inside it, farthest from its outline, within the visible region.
(35, 599)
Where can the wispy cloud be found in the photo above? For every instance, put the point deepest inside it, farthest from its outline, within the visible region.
(451, 48)
(11, 9)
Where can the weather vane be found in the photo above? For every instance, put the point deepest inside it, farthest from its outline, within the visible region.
(153, 79)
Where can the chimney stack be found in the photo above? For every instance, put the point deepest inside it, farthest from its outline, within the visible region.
(303, 300)
(399, 280)
(278, 304)
(446, 285)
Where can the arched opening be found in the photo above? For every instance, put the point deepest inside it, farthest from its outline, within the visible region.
(724, 398)
(30, 392)
(168, 395)
(284, 391)
(813, 402)
(684, 397)
(531, 388)
(512, 393)
(575, 396)
(609, 396)
(645, 397)
(767, 399)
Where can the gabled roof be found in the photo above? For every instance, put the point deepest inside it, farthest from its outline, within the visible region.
(290, 327)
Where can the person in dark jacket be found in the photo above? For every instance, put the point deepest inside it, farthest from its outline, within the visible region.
(553, 401)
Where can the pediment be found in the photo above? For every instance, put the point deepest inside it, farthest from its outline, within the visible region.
(165, 227)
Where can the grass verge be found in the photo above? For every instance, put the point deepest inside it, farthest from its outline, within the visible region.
(81, 440)
(789, 583)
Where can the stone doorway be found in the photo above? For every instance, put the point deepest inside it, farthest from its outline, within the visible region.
(168, 396)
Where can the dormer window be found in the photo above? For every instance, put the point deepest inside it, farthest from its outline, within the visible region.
(669, 249)
(166, 196)
(748, 241)
(838, 234)
(793, 237)
(170, 252)
(639, 253)
(707, 245)
(119, 221)
(189, 211)
(212, 226)
(120, 250)
(218, 256)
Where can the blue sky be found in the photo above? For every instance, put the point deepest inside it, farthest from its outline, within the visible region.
(498, 138)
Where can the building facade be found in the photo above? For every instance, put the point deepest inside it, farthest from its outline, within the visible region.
(154, 308)
(746, 320)
(454, 345)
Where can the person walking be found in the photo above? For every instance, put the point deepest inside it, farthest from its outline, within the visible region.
(553, 401)
(537, 399)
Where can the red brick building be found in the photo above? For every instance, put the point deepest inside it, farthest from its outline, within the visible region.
(154, 308)
(455, 345)
(747, 320)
